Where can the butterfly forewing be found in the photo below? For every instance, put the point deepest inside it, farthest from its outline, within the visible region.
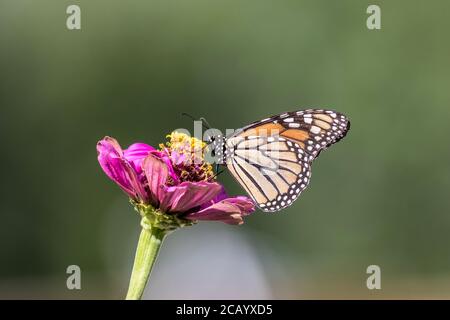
(271, 158)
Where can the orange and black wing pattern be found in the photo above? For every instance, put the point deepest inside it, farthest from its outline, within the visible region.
(271, 158)
(313, 129)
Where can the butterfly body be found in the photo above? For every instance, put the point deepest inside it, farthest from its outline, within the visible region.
(271, 158)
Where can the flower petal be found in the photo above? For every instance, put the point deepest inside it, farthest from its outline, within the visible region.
(109, 157)
(230, 210)
(157, 173)
(118, 169)
(136, 153)
(109, 145)
(188, 195)
(246, 205)
(164, 157)
(219, 197)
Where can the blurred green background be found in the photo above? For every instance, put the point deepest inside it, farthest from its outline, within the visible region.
(381, 196)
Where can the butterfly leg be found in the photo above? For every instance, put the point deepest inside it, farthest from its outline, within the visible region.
(218, 171)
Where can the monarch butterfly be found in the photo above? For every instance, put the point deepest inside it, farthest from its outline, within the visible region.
(271, 159)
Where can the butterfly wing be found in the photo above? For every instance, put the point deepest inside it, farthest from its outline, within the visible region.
(273, 171)
(271, 158)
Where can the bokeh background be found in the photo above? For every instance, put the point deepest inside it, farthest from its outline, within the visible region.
(381, 196)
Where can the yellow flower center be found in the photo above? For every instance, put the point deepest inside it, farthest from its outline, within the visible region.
(188, 157)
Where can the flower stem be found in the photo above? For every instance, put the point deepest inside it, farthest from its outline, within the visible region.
(146, 252)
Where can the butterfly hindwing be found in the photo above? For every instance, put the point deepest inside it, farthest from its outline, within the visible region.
(273, 171)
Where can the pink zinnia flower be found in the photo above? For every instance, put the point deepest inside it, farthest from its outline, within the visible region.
(171, 187)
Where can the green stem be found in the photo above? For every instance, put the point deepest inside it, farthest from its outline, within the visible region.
(146, 252)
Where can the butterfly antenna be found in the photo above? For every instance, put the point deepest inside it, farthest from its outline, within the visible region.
(188, 115)
(203, 120)
(205, 123)
(193, 119)
(218, 171)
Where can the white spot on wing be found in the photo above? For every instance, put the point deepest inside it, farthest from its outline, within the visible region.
(315, 130)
